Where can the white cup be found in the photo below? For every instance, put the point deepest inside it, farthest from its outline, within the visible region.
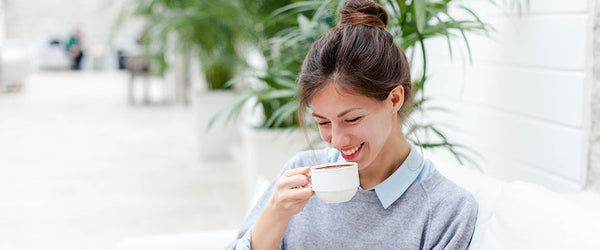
(335, 182)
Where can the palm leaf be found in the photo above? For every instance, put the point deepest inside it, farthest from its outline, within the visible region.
(275, 94)
(296, 8)
(232, 110)
(283, 113)
(419, 14)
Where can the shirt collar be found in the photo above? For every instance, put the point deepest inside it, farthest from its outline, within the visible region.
(394, 186)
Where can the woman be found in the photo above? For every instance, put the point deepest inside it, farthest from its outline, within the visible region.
(356, 82)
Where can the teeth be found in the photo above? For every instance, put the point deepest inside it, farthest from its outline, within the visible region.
(351, 151)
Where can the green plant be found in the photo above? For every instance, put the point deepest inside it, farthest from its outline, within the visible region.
(214, 31)
(412, 22)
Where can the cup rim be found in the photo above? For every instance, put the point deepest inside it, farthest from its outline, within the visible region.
(331, 164)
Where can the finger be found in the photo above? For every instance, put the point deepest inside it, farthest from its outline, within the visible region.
(303, 193)
(293, 181)
(295, 171)
(297, 195)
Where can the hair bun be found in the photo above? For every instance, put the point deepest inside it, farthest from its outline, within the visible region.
(363, 12)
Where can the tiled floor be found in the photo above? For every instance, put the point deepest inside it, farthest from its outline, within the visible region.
(82, 169)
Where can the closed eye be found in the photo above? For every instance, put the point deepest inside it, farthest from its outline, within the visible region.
(354, 119)
(322, 123)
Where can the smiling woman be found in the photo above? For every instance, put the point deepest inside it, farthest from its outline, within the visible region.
(357, 82)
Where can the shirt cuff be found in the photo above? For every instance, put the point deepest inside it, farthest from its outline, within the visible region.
(244, 242)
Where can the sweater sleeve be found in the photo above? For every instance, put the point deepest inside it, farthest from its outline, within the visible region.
(452, 221)
(244, 242)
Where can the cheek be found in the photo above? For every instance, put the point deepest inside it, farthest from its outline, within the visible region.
(325, 135)
(373, 132)
(363, 132)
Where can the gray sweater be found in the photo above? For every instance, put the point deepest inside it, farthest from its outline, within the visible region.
(433, 213)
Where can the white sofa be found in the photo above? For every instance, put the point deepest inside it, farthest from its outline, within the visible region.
(519, 215)
(512, 215)
(53, 57)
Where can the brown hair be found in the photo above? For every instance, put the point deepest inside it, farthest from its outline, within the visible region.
(358, 55)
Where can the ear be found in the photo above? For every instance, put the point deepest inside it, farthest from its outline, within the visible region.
(396, 98)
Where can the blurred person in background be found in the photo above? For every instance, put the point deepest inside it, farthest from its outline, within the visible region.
(75, 49)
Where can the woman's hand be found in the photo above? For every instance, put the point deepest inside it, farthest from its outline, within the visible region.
(290, 196)
(291, 192)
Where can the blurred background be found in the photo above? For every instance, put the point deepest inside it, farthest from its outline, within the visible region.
(121, 119)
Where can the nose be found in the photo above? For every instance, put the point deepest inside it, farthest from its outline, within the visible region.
(339, 137)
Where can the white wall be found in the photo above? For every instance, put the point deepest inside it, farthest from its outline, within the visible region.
(524, 102)
(594, 170)
(2, 21)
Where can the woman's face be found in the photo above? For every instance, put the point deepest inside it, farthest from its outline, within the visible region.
(356, 125)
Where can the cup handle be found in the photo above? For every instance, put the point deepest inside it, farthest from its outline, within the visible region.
(309, 181)
(309, 185)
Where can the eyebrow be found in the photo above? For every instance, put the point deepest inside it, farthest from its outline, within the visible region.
(340, 115)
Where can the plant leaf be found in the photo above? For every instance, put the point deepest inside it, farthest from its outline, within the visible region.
(278, 93)
(420, 14)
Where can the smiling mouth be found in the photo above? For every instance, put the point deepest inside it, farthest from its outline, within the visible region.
(352, 152)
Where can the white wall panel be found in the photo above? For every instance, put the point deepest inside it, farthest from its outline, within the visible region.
(550, 41)
(554, 148)
(445, 80)
(485, 7)
(550, 95)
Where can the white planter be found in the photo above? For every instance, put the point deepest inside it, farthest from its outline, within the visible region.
(265, 151)
(217, 141)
